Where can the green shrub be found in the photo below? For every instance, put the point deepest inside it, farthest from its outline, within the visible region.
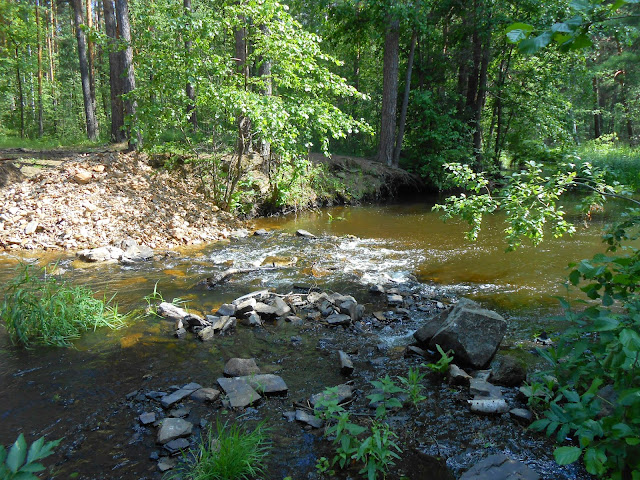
(39, 310)
(229, 453)
(20, 463)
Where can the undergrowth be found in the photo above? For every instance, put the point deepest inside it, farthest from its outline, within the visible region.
(230, 452)
(37, 309)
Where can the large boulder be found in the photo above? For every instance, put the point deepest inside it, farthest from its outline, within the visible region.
(472, 332)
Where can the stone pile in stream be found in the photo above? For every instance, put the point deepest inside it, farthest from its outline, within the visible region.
(260, 307)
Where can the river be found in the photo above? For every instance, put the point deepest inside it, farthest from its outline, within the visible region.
(81, 393)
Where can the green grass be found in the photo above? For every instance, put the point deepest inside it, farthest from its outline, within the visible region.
(621, 160)
(39, 310)
(229, 452)
(45, 143)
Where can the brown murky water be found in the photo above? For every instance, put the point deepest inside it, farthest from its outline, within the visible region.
(81, 393)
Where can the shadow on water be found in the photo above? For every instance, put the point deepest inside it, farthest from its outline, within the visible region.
(88, 394)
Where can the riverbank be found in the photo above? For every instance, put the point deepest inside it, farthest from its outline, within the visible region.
(73, 200)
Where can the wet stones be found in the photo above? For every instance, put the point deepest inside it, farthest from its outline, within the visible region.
(240, 394)
(343, 393)
(206, 395)
(178, 395)
(305, 234)
(508, 371)
(267, 384)
(346, 365)
(472, 332)
(173, 428)
(500, 467)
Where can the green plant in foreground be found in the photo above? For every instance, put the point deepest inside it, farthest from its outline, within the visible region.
(442, 365)
(38, 310)
(20, 462)
(376, 451)
(413, 386)
(384, 397)
(230, 452)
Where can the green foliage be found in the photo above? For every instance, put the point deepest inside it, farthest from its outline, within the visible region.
(38, 310)
(230, 453)
(442, 365)
(384, 398)
(413, 385)
(620, 162)
(21, 461)
(373, 446)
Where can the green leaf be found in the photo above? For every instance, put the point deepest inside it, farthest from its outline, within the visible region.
(532, 45)
(17, 454)
(567, 455)
(560, 27)
(518, 31)
(539, 424)
(580, 5)
(34, 450)
(605, 324)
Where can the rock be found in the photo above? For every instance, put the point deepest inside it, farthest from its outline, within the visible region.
(147, 418)
(305, 234)
(252, 320)
(521, 415)
(267, 384)
(304, 417)
(239, 367)
(500, 467)
(338, 319)
(240, 393)
(290, 416)
(167, 463)
(344, 394)
(508, 371)
(206, 334)
(245, 307)
(206, 395)
(346, 365)
(196, 321)
(257, 295)
(100, 254)
(281, 307)
(458, 377)
(178, 395)
(173, 428)
(294, 320)
(169, 310)
(473, 333)
(175, 446)
(132, 252)
(488, 405)
(31, 227)
(376, 289)
(395, 300)
(261, 233)
(82, 177)
(481, 388)
(180, 333)
(429, 328)
(179, 412)
(413, 350)
(266, 312)
(226, 310)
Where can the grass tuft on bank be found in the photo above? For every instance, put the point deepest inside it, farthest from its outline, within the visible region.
(37, 309)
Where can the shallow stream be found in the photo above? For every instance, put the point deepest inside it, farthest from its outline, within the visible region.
(81, 393)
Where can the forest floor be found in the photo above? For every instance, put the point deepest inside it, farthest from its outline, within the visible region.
(67, 199)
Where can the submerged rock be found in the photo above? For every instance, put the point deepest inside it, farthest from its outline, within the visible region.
(267, 384)
(239, 392)
(240, 367)
(312, 420)
(500, 467)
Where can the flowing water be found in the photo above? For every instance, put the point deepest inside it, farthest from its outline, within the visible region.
(81, 393)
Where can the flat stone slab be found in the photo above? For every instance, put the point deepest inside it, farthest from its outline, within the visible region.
(267, 384)
(338, 319)
(173, 428)
(346, 365)
(178, 395)
(344, 394)
(206, 395)
(239, 391)
(175, 446)
(147, 418)
(500, 467)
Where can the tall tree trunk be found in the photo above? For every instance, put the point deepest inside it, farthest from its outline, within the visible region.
(480, 100)
(189, 89)
(89, 110)
(39, 40)
(267, 90)
(405, 100)
(620, 78)
(389, 92)
(20, 91)
(128, 78)
(117, 108)
(597, 115)
(243, 123)
(91, 57)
